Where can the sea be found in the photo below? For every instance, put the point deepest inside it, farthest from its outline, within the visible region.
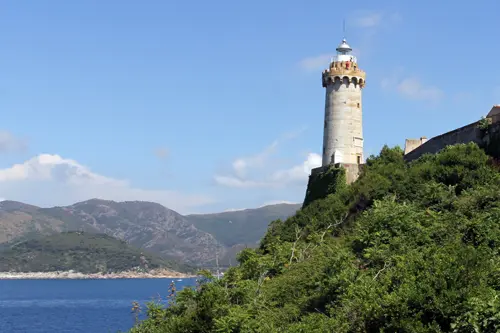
(74, 306)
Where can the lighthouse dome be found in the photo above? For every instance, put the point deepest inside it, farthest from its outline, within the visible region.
(344, 48)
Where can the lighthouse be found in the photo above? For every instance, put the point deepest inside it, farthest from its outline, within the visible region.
(343, 125)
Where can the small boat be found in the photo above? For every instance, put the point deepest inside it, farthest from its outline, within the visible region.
(179, 280)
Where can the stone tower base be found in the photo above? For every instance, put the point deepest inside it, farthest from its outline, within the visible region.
(327, 179)
(352, 171)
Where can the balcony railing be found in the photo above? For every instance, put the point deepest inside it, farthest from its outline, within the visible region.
(343, 57)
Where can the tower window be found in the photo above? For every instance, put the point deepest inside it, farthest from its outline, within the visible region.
(358, 105)
(359, 159)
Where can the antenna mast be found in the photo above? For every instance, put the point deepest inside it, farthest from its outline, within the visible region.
(343, 28)
(217, 260)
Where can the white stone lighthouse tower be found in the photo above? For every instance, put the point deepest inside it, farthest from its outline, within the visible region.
(343, 128)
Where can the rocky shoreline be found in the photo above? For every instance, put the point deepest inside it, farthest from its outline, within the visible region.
(154, 274)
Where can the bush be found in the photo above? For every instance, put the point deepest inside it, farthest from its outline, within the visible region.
(406, 248)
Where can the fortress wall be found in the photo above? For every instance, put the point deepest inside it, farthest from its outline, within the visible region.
(412, 144)
(466, 134)
(489, 140)
(316, 171)
(494, 114)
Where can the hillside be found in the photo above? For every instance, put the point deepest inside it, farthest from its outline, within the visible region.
(242, 227)
(80, 252)
(21, 220)
(143, 224)
(408, 247)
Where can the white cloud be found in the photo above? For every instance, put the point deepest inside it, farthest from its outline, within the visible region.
(241, 166)
(277, 202)
(411, 87)
(374, 19)
(66, 181)
(368, 20)
(296, 175)
(393, 79)
(235, 181)
(316, 63)
(10, 143)
(233, 210)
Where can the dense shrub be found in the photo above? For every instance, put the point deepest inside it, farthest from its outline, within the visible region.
(406, 248)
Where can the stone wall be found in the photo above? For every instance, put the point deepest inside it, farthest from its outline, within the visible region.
(324, 181)
(327, 179)
(486, 138)
(494, 114)
(412, 144)
(466, 134)
(352, 171)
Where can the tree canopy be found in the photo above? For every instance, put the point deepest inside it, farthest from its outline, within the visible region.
(408, 247)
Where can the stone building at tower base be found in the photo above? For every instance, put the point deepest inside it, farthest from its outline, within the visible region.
(352, 171)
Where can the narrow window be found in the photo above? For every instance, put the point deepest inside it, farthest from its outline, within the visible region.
(358, 105)
(359, 159)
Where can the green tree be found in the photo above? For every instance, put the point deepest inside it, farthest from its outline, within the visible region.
(408, 247)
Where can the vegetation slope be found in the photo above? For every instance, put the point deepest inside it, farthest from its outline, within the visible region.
(406, 248)
(80, 252)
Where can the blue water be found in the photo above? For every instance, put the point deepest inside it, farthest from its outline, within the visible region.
(74, 306)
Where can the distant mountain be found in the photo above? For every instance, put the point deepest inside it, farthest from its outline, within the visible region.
(246, 226)
(19, 220)
(192, 239)
(82, 252)
(142, 224)
(237, 229)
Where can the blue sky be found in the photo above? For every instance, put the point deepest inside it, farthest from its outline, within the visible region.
(207, 106)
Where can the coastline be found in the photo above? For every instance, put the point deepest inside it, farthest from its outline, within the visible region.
(72, 275)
